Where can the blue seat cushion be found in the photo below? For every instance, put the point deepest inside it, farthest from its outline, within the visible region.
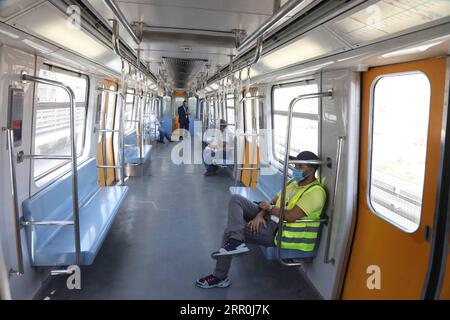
(132, 154)
(270, 253)
(96, 218)
(249, 193)
(266, 188)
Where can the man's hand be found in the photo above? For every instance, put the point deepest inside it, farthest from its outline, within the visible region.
(255, 224)
(265, 205)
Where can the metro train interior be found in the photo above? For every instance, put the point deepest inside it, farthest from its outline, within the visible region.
(134, 132)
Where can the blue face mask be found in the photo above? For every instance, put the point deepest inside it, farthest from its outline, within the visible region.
(298, 174)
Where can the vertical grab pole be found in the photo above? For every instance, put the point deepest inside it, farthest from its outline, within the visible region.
(16, 219)
(286, 167)
(123, 98)
(73, 154)
(141, 129)
(340, 141)
(236, 119)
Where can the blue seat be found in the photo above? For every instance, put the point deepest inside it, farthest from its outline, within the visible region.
(266, 189)
(98, 206)
(270, 253)
(132, 152)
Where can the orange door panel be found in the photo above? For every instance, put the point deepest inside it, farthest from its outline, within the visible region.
(401, 257)
(105, 149)
(251, 160)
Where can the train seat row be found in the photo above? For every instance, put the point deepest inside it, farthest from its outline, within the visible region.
(54, 245)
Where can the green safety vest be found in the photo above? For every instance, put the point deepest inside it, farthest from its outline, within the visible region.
(301, 235)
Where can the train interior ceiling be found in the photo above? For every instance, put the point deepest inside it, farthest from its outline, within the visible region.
(88, 88)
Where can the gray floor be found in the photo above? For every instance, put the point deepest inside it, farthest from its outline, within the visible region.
(161, 242)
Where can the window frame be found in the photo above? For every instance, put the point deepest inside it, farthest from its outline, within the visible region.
(309, 116)
(370, 152)
(62, 70)
(131, 92)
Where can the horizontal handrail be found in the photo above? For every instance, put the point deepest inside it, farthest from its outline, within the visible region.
(243, 169)
(47, 223)
(46, 157)
(270, 22)
(108, 91)
(318, 162)
(251, 98)
(101, 166)
(108, 130)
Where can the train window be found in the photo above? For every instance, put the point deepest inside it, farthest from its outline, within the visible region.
(192, 104)
(128, 111)
(52, 114)
(305, 121)
(229, 103)
(400, 111)
(167, 106)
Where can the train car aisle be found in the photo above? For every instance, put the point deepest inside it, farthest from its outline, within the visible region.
(161, 242)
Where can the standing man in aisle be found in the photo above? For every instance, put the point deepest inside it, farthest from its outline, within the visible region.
(183, 117)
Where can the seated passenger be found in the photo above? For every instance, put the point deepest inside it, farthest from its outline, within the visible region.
(215, 147)
(162, 133)
(254, 223)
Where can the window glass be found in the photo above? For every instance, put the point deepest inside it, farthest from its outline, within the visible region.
(167, 106)
(230, 109)
(192, 104)
(284, 95)
(128, 111)
(52, 115)
(401, 105)
(305, 120)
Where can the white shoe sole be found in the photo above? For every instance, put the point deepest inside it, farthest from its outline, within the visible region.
(237, 252)
(223, 284)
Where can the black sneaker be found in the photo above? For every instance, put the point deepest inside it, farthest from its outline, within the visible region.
(212, 281)
(231, 247)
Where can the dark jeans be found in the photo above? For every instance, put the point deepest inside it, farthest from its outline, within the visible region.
(162, 134)
(213, 167)
(241, 211)
(185, 126)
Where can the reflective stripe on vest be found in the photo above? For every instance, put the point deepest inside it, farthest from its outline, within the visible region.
(300, 235)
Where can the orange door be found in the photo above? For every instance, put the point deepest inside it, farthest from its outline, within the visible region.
(398, 180)
(251, 153)
(105, 149)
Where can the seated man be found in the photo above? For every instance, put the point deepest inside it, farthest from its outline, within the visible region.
(216, 146)
(162, 133)
(249, 222)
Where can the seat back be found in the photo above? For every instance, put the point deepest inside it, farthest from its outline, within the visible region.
(54, 203)
(271, 184)
(130, 138)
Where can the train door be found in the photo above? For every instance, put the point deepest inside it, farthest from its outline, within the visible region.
(402, 108)
(105, 149)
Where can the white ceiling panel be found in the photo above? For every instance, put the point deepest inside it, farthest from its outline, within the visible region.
(202, 16)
